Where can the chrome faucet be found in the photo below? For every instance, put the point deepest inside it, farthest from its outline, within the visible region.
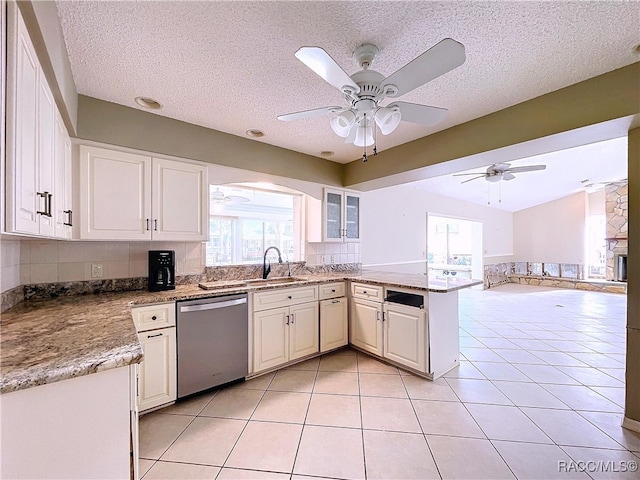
(266, 269)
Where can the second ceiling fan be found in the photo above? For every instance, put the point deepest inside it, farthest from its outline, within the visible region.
(501, 171)
(364, 90)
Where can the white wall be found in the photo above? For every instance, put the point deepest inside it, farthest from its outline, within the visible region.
(394, 224)
(552, 232)
(597, 203)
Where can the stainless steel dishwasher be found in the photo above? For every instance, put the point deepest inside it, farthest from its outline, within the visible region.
(213, 342)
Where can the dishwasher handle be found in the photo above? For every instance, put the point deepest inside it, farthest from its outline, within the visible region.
(212, 306)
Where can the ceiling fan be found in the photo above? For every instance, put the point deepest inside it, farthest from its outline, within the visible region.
(364, 90)
(220, 198)
(501, 171)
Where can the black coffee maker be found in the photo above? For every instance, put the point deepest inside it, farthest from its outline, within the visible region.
(162, 270)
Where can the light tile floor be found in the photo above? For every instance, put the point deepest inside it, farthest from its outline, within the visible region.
(539, 388)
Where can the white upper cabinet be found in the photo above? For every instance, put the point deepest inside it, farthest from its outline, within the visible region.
(62, 202)
(180, 201)
(340, 216)
(335, 219)
(32, 131)
(125, 196)
(115, 195)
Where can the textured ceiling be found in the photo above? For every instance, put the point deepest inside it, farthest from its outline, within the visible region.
(598, 163)
(230, 66)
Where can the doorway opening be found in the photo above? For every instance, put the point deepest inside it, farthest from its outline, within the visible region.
(454, 247)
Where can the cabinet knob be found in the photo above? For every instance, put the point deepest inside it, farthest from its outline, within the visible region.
(333, 290)
(289, 297)
(364, 292)
(154, 318)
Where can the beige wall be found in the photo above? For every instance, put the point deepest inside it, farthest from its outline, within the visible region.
(114, 124)
(610, 96)
(632, 407)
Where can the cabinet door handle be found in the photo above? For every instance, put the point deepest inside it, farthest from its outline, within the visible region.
(43, 195)
(378, 315)
(155, 224)
(147, 224)
(335, 301)
(48, 204)
(383, 316)
(156, 335)
(293, 316)
(287, 319)
(70, 213)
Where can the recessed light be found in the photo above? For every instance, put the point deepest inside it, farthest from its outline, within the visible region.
(147, 102)
(326, 153)
(255, 133)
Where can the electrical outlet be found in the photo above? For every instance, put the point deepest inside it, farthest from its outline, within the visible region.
(96, 270)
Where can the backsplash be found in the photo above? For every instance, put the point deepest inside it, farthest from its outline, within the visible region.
(319, 253)
(51, 261)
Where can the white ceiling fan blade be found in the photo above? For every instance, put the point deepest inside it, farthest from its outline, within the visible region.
(316, 112)
(530, 168)
(481, 176)
(461, 174)
(508, 176)
(438, 60)
(326, 67)
(422, 114)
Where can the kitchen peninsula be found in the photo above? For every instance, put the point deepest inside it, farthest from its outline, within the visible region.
(81, 351)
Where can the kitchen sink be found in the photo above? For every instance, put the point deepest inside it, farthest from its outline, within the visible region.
(249, 283)
(273, 281)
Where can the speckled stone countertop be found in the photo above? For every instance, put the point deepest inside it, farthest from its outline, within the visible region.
(415, 281)
(45, 341)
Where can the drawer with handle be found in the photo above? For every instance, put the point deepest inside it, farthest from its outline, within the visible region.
(283, 297)
(369, 292)
(152, 317)
(331, 290)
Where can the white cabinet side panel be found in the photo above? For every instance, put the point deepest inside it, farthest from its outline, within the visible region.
(73, 429)
(444, 335)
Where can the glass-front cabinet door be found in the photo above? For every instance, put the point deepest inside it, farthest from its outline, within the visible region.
(341, 219)
(333, 216)
(352, 217)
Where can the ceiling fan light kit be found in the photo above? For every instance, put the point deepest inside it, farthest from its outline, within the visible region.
(365, 89)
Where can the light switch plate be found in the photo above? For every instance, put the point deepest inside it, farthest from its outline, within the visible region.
(97, 270)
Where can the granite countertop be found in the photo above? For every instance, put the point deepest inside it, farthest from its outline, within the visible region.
(45, 341)
(416, 281)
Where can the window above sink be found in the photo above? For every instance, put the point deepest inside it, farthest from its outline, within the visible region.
(244, 221)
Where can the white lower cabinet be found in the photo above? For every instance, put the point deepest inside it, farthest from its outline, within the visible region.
(389, 330)
(158, 369)
(366, 325)
(405, 335)
(284, 334)
(287, 332)
(334, 328)
(157, 379)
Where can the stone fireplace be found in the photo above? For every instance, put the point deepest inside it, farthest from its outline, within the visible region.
(617, 213)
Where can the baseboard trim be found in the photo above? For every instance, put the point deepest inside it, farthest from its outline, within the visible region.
(630, 424)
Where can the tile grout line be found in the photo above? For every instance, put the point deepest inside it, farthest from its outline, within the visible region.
(424, 435)
(304, 421)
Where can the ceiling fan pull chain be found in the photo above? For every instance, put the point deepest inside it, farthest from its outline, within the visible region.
(364, 128)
